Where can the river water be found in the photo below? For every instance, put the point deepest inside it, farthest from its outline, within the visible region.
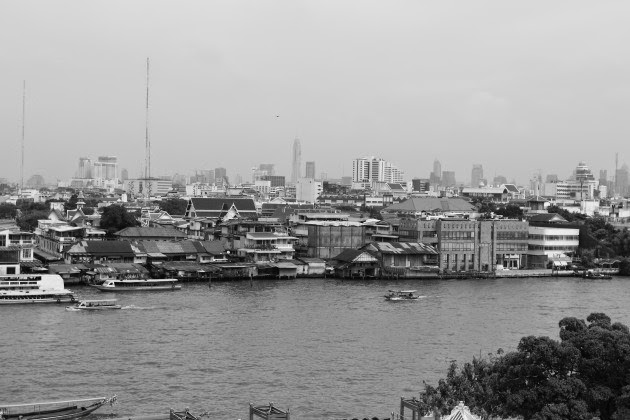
(324, 348)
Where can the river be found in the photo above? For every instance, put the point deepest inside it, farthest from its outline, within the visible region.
(324, 348)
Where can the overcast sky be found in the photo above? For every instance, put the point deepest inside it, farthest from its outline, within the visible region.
(516, 86)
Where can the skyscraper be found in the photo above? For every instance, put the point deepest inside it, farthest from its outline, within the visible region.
(296, 172)
(106, 167)
(85, 168)
(375, 169)
(476, 175)
(310, 170)
(436, 176)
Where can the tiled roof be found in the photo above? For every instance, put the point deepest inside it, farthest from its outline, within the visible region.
(214, 247)
(139, 232)
(548, 217)
(427, 204)
(109, 248)
(350, 255)
(223, 203)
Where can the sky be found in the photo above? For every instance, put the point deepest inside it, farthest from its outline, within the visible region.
(519, 87)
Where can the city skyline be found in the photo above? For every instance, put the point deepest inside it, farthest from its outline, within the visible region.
(232, 86)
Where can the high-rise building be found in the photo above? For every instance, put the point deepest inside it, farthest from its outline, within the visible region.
(106, 167)
(420, 185)
(296, 168)
(476, 175)
(268, 168)
(220, 176)
(124, 174)
(499, 180)
(85, 168)
(370, 169)
(310, 170)
(621, 180)
(583, 173)
(435, 177)
(448, 178)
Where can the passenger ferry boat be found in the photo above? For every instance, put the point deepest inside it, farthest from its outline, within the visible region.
(28, 288)
(130, 285)
(95, 305)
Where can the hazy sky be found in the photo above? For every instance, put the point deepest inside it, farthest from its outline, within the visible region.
(515, 86)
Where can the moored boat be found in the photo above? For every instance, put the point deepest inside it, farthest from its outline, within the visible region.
(592, 274)
(57, 410)
(34, 288)
(95, 305)
(397, 295)
(130, 285)
(184, 415)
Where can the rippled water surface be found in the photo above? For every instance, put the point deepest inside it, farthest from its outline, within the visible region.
(325, 348)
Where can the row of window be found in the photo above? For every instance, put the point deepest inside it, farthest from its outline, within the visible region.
(555, 237)
(552, 248)
(458, 234)
(511, 246)
(512, 235)
(457, 246)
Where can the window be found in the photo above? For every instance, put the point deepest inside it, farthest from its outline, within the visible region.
(26, 253)
(10, 270)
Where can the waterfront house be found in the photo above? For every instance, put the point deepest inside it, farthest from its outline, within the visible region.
(405, 259)
(552, 241)
(12, 236)
(328, 239)
(315, 267)
(262, 247)
(10, 260)
(87, 251)
(355, 263)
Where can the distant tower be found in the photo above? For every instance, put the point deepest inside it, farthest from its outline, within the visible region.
(310, 170)
(476, 175)
(296, 172)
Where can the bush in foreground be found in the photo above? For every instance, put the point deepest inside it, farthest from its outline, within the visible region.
(584, 375)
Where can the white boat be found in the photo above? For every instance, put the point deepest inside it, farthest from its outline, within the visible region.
(397, 295)
(130, 285)
(95, 305)
(34, 288)
(57, 410)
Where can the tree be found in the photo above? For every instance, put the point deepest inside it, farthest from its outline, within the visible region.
(174, 206)
(585, 374)
(510, 211)
(28, 220)
(71, 204)
(115, 218)
(8, 211)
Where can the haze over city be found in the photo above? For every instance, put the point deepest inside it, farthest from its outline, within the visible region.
(515, 87)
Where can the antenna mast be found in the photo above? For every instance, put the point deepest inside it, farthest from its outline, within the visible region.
(23, 124)
(147, 143)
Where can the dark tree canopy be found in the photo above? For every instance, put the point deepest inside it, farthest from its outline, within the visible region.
(115, 218)
(584, 375)
(174, 206)
(8, 211)
(28, 220)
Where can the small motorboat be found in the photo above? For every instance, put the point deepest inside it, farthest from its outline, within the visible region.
(57, 410)
(398, 295)
(596, 275)
(95, 305)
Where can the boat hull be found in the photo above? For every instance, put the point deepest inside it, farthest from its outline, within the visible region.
(19, 300)
(137, 288)
(63, 410)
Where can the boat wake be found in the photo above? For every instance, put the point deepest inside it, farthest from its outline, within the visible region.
(72, 309)
(139, 308)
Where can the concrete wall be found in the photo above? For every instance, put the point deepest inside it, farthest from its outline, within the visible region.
(328, 241)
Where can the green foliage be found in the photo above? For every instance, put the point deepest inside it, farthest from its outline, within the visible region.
(624, 268)
(174, 206)
(585, 374)
(28, 220)
(115, 218)
(8, 211)
(71, 204)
